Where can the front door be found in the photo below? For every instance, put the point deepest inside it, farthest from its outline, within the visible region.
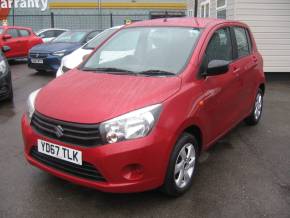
(223, 92)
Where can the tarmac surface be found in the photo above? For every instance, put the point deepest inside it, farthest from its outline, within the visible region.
(246, 174)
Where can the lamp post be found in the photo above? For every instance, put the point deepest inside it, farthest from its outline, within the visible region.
(195, 8)
(13, 13)
(100, 14)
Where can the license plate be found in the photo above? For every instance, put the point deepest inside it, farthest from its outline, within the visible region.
(60, 152)
(36, 61)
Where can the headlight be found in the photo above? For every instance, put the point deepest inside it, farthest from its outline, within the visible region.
(133, 125)
(3, 67)
(30, 104)
(59, 53)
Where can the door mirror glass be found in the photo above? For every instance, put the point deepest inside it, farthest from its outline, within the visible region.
(217, 67)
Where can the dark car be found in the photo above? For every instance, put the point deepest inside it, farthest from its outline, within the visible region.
(48, 56)
(6, 91)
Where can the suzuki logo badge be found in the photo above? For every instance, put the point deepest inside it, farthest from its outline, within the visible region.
(58, 131)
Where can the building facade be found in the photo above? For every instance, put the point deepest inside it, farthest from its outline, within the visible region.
(269, 21)
(96, 14)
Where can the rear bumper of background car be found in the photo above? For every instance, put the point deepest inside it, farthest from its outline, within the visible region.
(130, 166)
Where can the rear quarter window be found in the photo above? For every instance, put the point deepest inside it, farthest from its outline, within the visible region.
(24, 33)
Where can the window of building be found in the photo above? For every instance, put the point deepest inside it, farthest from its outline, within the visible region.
(221, 9)
(205, 9)
(190, 13)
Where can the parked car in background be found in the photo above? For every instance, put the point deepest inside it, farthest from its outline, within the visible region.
(19, 39)
(140, 121)
(75, 58)
(48, 56)
(6, 90)
(48, 35)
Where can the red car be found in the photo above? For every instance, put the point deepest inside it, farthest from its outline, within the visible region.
(19, 39)
(139, 111)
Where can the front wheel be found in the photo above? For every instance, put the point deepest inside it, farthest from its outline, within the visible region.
(256, 114)
(182, 166)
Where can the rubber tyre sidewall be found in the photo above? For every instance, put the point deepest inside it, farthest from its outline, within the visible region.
(169, 186)
(251, 120)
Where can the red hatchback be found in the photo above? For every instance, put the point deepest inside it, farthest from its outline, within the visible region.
(19, 39)
(139, 111)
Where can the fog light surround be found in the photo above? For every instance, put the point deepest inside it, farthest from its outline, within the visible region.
(133, 172)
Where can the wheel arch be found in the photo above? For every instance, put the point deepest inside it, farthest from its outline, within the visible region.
(196, 131)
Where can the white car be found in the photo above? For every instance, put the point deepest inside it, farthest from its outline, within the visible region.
(48, 35)
(74, 59)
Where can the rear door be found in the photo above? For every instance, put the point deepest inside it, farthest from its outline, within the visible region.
(13, 43)
(245, 65)
(222, 91)
(24, 37)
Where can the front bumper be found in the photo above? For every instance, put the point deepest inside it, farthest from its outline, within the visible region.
(112, 161)
(50, 62)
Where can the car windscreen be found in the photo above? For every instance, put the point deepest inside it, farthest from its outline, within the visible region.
(148, 51)
(75, 36)
(99, 39)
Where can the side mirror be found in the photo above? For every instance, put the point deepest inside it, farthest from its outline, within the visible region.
(217, 67)
(5, 48)
(6, 37)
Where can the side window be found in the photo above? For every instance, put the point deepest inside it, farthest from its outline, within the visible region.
(220, 46)
(24, 33)
(12, 32)
(92, 35)
(58, 32)
(48, 34)
(243, 47)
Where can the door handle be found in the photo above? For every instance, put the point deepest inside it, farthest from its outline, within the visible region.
(237, 69)
(255, 59)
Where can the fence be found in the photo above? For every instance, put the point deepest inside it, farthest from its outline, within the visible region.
(84, 21)
(70, 21)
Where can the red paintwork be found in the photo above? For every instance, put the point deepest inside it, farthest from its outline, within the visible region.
(213, 104)
(20, 46)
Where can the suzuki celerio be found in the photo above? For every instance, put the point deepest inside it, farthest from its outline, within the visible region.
(139, 111)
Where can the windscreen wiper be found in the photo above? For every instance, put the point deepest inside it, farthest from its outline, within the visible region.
(156, 73)
(111, 70)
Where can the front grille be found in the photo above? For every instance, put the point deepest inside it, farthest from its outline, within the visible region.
(72, 133)
(86, 171)
(4, 91)
(38, 55)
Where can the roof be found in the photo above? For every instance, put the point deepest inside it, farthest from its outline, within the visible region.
(16, 27)
(182, 22)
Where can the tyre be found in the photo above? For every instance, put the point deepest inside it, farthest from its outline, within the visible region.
(256, 114)
(182, 166)
(10, 96)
